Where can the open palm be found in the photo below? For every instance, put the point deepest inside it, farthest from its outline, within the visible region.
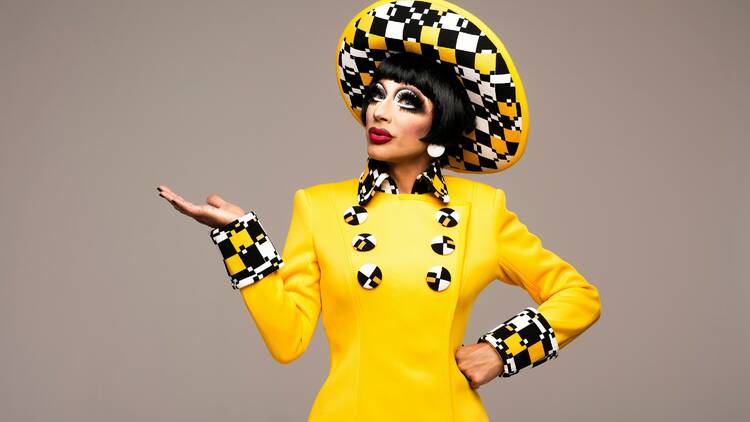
(215, 213)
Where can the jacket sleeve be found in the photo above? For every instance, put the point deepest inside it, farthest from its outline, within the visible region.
(282, 295)
(568, 304)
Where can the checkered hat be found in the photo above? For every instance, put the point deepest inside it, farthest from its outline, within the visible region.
(448, 34)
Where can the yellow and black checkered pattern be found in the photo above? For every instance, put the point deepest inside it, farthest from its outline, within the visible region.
(524, 340)
(248, 253)
(443, 32)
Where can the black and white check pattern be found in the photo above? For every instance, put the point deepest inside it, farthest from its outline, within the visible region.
(248, 252)
(440, 31)
(375, 178)
(524, 340)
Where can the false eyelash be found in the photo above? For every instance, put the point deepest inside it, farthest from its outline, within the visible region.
(374, 90)
(411, 97)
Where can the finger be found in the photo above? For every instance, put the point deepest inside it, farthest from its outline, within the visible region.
(166, 196)
(164, 188)
(182, 205)
(187, 207)
(166, 193)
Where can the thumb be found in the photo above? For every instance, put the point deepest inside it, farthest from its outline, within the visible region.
(215, 200)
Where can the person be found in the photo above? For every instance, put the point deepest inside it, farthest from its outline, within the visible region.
(393, 260)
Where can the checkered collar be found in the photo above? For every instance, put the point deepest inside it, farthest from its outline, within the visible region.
(375, 178)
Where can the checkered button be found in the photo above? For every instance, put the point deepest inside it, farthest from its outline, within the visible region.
(447, 217)
(438, 278)
(369, 276)
(355, 215)
(443, 245)
(364, 242)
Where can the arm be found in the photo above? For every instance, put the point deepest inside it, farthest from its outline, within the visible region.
(282, 295)
(568, 304)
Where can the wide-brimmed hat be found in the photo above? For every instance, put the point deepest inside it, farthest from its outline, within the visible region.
(442, 31)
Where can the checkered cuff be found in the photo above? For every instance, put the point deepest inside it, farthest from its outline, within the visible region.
(524, 340)
(248, 252)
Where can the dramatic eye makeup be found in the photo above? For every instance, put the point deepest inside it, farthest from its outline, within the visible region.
(409, 100)
(377, 92)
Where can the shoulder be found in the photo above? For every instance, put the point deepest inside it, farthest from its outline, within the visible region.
(465, 189)
(331, 190)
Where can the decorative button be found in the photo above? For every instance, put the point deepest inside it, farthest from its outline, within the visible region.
(369, 276)
(364, 242)
(443, 245)
(447, 217)
(438, 278)
(355, 215)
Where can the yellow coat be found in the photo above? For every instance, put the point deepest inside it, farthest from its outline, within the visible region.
(392, 348)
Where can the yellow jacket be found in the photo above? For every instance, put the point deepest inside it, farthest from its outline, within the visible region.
(392, 347)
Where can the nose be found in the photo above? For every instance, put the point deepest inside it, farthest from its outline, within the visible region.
(381, 110)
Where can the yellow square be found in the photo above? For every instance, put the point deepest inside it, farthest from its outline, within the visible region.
(376, 42)
(507, 109)
(512, 135)
(413, 47)
(485, 63)
(366, 78)
(349, 34)
(536, 352)
(241, 238)
(447, 54)
(365, 23)
(429, 35)
(234, 264)
(499, 145)
(514, 344)
(471, 158)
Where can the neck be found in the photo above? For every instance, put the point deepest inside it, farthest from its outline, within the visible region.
(406, 173)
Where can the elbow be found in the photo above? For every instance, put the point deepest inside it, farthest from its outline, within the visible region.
(284, 358)
(286, 355)
(595, 305)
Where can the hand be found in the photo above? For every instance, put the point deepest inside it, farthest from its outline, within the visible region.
(216, 213)
(480, 363)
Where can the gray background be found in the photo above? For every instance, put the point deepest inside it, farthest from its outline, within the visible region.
(113, 306)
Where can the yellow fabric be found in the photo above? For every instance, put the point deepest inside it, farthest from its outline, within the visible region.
(393, 347)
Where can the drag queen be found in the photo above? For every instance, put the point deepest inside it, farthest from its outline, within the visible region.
(392, 261)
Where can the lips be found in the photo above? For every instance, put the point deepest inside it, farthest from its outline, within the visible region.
(379, 135)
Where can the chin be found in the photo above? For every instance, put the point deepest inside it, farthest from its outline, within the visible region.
(377, 152)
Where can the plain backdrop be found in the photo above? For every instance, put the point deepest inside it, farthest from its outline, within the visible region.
(113, 306)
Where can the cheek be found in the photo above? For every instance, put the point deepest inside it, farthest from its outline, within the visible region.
(418, 126)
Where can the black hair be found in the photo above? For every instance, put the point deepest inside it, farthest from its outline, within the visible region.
(452, 112)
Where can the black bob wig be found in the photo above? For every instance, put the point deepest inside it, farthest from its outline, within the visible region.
(452, 112)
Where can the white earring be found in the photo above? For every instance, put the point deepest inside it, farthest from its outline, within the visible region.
(435, 150)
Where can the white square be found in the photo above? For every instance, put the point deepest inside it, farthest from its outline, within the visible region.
(450, 21)
(395, 30)
(467, 42)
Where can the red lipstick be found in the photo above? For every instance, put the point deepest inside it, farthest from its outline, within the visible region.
(379, 136)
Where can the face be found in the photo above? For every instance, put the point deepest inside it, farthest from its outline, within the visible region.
(397, 116)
